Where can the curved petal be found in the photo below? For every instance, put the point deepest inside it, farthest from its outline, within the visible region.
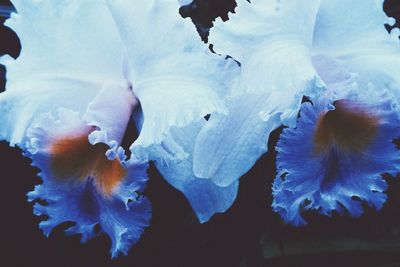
(111, 110)
(354, 33)
(336, 155)
(276, 72)
(255, 24)
(172, 72)
(204, 196)
(81, 185)
(273, 54)
(229, 145)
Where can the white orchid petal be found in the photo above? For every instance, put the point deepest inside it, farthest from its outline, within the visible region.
(272, 41)
(228, 146)
(264, 21)
(19, 108)
(173, 74)
(67, 56)
(205, 197)
(72, 38)
(354, 33)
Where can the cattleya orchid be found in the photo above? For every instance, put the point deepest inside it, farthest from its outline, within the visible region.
(85, 68)
(321, 49)
(67, 106)
(325, 69)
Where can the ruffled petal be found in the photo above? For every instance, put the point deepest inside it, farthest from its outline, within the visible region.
(81, 185)
(173, 74)
(354, 33)
(336, 155)
(205, 197)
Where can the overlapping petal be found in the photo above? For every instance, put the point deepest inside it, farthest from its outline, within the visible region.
(228, 146)
(335, 157)
(287, 50)
(276, 71)
(173, 74)
(205, 197)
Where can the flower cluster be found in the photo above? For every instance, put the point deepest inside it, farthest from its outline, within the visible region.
(326, 70)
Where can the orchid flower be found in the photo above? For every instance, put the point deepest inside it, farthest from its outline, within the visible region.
(70, 96)
(187, 82)
(287, 50)
(335, 157)
(67, 105)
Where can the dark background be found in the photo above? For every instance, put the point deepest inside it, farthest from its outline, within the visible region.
(249, 234)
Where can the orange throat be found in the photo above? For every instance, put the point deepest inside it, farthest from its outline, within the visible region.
(348, 128)
(73, 157)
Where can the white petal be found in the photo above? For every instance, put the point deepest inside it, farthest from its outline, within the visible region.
(185, 2)
(228, 146)
(272, 42)
(73, 38)
(354, 32)
(260, 22)
(205, 197)
(18, 107)
(173, 74)
(67, 55)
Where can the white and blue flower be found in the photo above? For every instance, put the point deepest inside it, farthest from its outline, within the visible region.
(187, 82)
(72, 91)
(287, 50)
(67, 105)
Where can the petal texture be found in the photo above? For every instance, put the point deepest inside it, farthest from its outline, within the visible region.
(205, 197)
(81, 185)
(229, 145)
(354, 33)
(173, 74)
(334, 158)
(66, 38)
(276, 72)
(67, 51)
(274, 55)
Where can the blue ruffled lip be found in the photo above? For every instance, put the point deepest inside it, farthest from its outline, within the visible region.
(335, 157)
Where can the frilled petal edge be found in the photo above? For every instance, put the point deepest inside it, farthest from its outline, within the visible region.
(82, 186)
(334, 158)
